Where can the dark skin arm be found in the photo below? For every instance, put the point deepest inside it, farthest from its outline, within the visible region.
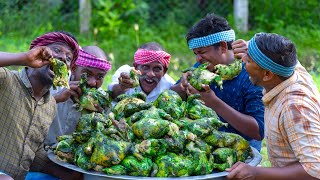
(65, 94)
(36, 57)
(125, 83)
(243, 171)
(242, 122)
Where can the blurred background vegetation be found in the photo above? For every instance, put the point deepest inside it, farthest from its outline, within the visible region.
(120, 26)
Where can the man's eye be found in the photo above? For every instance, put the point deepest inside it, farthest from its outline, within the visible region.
(145, 68)
(157, 69)
(57, 50)
(68, 59)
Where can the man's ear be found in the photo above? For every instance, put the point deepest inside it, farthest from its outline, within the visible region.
(268, 75)
(223, 46)
(135, 65)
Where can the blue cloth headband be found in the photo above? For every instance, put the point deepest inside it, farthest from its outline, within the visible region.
(267, 63)
(212, 39)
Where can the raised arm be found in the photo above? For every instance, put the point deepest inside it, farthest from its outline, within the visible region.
(36, 57)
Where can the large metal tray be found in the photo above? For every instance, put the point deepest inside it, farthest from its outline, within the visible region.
(94, 175)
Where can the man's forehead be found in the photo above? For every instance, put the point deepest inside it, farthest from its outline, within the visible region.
(92, 70)
(151, 64)
(60, 44)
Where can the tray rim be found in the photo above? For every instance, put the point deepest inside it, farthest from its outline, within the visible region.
(252, 162)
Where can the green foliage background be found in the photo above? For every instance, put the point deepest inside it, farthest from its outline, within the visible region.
(120, 26)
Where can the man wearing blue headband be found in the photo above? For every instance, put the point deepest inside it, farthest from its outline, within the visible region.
(292, 113)
(239, 103)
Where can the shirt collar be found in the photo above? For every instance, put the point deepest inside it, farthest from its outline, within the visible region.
(268, 97)
(25, 80)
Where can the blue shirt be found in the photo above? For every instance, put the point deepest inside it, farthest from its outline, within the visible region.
(243, 96)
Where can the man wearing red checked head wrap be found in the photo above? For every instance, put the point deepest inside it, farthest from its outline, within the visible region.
(152, 61)
(93, 61)
(26, 105)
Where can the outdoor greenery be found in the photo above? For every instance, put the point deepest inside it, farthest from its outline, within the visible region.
(120, 26)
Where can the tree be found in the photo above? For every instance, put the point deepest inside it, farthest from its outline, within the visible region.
(85, 16)
(240, 10)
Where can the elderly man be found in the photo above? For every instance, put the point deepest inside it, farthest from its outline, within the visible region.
(93, 61)
(26, 106)
(292, 111)
(152, 61)
(239, 103)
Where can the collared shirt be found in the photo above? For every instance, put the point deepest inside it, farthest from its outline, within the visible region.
(24, 123)
(65, 121)
(165, 83)
(240, 94)
(292, 123)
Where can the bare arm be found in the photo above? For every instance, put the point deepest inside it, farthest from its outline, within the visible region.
(292, 172)
(36, 57)
(243, 123)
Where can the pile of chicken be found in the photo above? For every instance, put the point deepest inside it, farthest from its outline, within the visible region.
(167, 138)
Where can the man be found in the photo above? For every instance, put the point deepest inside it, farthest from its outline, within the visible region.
(26, 106)
(239, 103)
(152, 61)
(292, 114)
(93, 61)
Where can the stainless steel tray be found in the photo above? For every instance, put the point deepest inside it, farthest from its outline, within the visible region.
(94, 175)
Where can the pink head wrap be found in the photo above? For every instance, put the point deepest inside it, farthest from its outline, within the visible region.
(88, 60)
(144, 56)
(53, 37)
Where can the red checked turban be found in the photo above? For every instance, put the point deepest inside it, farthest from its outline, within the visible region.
(144, 56)
(53, 37)
(88, 60)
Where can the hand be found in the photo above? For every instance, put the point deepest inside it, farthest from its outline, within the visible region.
(207, 95)
(75, 92)
(125, 82)
(240, 48)
(241, 170)
(38, 57)
(184, 80)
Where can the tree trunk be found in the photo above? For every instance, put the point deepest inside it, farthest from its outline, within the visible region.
(240, 10)
(85, 16)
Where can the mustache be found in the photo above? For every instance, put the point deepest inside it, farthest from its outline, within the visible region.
(143, 77)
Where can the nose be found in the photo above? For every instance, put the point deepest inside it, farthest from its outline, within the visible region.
(150, 73)
(92, 82)
(198, 58)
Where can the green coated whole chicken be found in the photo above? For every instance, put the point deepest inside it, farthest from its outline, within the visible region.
(201, 75)
(129, 104)
(172, 103)
(228, 72)
(196, 109)
(92, 99)
(60, 73)
(108, 152)
(150, 128)
(173, 165)
(224, 158)
(137, 167)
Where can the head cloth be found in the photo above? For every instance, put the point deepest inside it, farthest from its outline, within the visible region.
(88, 60)
(144, 56)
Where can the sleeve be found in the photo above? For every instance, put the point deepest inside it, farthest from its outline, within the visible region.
(301, 124)
(253, 104)
(125, 68)
(40, 160)
(3, 75)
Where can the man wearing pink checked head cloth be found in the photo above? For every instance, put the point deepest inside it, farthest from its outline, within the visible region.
(93, 61)
(152, 61)
(26, 106)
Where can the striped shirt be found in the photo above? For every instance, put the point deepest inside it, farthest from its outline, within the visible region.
(292, 123)
(24, 124)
